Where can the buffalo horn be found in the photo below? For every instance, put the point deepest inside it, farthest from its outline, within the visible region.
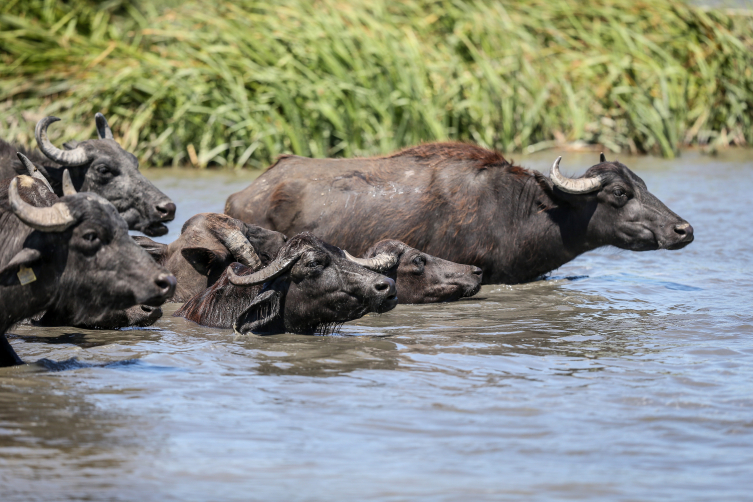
(602, 157)
(68, 184)
(238, 244)
(33, 171)
(47, 219)
(103, 128)
(379, 263)
(74, 157)
(277, 267)
(572, 185)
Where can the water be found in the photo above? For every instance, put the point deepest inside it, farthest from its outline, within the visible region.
(626, 376)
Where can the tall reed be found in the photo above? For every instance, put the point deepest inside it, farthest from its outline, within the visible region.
(239, 82)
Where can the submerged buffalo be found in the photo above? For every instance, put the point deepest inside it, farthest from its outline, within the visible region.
(100, 166)
(462, 203)
(72, 256)
(310, 287)
(421, 277)
(207, 245)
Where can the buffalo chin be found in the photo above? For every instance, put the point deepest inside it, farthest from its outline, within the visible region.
(155, 229)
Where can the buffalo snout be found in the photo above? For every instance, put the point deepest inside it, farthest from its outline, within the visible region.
(385, 293)
(165, 284)
(682, 236)
(166, 210)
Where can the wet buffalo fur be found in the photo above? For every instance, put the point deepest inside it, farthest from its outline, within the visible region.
(423, 278)
(462, 203)
(319, 292)
(198, 257)
(86, 270)
(112, 173)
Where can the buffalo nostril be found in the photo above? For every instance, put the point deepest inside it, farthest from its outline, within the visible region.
(147, 309)
(381, 285)
(166, 284)
(684, 230)
(476, 271)
(385, 285)
(166, 211)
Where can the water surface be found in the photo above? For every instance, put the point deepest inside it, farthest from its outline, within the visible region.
(625, 376)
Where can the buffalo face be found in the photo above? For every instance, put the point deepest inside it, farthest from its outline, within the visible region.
(103, 167)
(311, 287)
(621, 210)
(423, 278)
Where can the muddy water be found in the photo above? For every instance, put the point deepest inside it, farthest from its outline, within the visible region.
(625, 376)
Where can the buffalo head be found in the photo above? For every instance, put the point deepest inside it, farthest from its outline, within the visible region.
(620, 210)
(208, 244)
(103, 167)
(421, 277)
(76, 255)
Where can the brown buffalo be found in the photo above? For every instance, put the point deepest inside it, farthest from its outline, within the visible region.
(465, 204)
(208, 244)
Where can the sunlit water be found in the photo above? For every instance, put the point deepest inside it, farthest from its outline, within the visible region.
(626, 376)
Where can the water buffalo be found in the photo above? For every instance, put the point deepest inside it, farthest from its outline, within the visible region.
(100, 166)
(138, 315)
(311, 287)
(421, 277)
(74, 255)
(208, 244)
(462, 203)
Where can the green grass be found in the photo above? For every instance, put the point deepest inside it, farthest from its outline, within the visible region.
(240, 82)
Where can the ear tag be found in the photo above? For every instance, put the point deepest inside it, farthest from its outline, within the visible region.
(26, 276)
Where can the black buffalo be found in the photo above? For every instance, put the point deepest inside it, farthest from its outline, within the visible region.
(421, 277)
(311, 287)
(100, 166)
(73, 256)
(465, 204)
(208, 244)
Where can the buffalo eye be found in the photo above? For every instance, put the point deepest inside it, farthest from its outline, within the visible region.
(314, 264)
(619, 192)
(90, 236)
(104, 170)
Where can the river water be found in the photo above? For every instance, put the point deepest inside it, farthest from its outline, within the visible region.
(624, 376)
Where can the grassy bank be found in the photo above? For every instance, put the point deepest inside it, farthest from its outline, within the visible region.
(237, 83)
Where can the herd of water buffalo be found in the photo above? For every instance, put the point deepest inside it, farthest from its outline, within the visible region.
(430, 224)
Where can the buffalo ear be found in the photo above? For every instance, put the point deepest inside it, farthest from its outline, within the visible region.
(156, 250)
(24, 258)
(204, 260)
(262, 315)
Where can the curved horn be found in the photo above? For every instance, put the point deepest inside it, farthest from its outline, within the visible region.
(68, 188)
(47, 219)
(379, 263)
(74, 157)
(274, 269)
(238, 244)
(572, 185)
(103, 128)
(602, 157)
(33, 171)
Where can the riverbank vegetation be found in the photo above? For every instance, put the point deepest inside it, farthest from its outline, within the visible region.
(239, 82)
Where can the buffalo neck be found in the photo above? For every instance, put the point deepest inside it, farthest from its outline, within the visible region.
(547, 234)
